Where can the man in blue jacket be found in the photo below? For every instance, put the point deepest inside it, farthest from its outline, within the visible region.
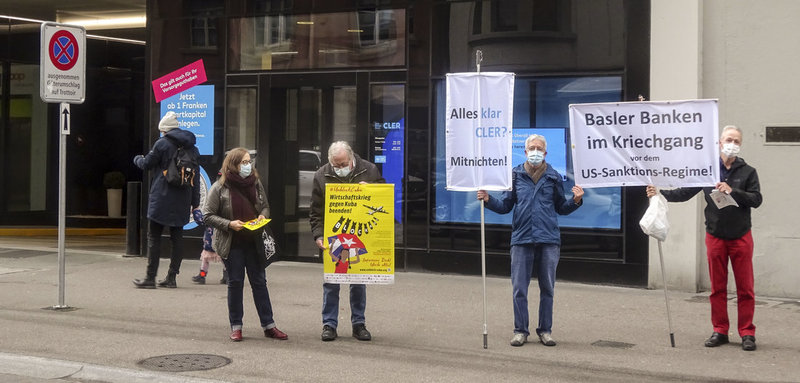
(537, 195)
(168, 205)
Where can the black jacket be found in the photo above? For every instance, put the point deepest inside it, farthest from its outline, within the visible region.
(729, 222)
(363, 171)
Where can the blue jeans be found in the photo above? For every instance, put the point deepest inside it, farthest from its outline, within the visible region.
(524, 258)
(330, 304)
(243, 258)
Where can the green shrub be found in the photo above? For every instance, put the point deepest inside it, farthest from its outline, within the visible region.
(114, 180)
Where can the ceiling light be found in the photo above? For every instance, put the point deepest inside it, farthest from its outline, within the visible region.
(109, 23)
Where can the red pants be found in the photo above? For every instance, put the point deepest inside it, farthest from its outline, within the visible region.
(740, 252)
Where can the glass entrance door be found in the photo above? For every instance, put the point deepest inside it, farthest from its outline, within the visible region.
(305, 116)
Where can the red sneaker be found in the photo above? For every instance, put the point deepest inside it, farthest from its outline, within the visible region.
(275, 333)
(236, 335)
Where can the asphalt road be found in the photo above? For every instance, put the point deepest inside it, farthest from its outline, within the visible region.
(426, 327)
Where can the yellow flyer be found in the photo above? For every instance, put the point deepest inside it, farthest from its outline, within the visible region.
(256, 223)
(359, 232)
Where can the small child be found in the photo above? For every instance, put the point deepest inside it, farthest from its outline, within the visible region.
(208, 254)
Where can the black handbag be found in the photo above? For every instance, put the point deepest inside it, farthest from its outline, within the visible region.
(266, 246)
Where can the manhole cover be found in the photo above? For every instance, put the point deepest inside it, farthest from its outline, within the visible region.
(60, 308)
(612, 344)
(184, 362)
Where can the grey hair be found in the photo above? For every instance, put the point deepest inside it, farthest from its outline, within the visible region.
(536, 137)
(731, 127)
(337, 147)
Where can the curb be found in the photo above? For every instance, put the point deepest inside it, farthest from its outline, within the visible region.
(53, 231)
(50, 369)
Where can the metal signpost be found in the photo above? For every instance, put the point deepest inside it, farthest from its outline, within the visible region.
(62, 80)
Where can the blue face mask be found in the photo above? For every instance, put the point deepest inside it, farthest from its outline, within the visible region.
(245, 170)
(535, 157)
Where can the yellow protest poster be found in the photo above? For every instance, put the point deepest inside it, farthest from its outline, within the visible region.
(359, 233)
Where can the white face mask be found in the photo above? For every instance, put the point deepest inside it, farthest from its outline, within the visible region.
(245, 170)
(342, 172)
(730, 149)
(535, 157)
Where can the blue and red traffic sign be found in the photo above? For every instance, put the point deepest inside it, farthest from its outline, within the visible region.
(63, 50)
(63, 63)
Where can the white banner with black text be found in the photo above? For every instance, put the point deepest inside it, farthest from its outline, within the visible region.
(666, 144)
(479, 116)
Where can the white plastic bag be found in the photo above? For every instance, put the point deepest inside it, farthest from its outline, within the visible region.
(654, 221)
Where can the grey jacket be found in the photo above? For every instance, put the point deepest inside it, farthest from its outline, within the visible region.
(218, 213)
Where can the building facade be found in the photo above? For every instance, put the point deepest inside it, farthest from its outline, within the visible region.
(290, 77)
(731, 51)
(287, 77)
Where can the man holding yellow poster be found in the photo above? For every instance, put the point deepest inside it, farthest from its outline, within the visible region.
(352, 224)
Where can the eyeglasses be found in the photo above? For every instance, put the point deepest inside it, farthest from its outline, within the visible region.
(245, 162)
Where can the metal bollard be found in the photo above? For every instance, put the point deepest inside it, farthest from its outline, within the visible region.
(132, 221)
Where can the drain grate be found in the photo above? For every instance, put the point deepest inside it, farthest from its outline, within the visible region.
(184, 362)
(698, 299)
(612, 344)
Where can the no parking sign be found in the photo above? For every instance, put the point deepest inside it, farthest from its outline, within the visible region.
(63, 63)
(62, 79)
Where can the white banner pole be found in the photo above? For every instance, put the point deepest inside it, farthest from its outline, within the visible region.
(666, 297)
(478, 59)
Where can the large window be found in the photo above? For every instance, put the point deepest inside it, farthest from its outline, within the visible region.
(25, 151)
(366, 38)
(240, 113)
(204, 17)
(541, 107)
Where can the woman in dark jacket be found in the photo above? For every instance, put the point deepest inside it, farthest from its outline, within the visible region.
(236, 198)
(168, 205)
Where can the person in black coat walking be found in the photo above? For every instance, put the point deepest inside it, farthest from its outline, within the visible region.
(168, 205)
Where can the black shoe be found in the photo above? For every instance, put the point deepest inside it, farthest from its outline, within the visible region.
(199, 279)
(224, 280)
(360, 332)
(328, 333)
(716, 339)
(145, 283)
(169, 281)
(749, 343)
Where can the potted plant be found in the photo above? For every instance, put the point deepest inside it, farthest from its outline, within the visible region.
(113, 182)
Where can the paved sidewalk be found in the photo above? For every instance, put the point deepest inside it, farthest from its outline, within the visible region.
(426, 327)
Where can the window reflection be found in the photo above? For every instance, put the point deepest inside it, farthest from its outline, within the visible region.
(366, 38)
(540, 106)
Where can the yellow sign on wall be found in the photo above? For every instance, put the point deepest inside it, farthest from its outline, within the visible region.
(359, 233)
